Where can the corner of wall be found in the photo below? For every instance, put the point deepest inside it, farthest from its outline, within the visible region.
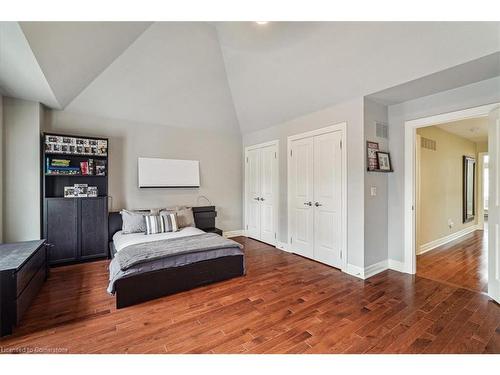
(1, 169)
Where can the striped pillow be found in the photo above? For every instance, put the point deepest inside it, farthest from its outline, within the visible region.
(170, 221)
(154, 224)
(160, 224)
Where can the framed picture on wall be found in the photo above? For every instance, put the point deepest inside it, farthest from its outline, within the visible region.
(371, 154)
(384, 161)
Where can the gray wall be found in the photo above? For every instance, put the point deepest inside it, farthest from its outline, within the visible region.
(219, 154)
(1, 169)
(21, 166)
(469, 96)
(375, 207)
(352, 113)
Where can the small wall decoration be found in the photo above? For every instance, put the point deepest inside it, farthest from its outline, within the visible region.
(72, 145)
(384, 161)
(69, 192)
(371, 153)
(80, 191)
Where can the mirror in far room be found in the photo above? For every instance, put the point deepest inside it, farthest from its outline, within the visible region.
(469, 168)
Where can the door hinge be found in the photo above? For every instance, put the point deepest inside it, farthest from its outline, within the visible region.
(291, 153)
(247, 159)
(341, 144)
(247, 226)
(291, 239)
(275, 155)
(274, 235)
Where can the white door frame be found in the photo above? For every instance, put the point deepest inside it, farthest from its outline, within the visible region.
(276, 184)
(411, 126)
(337, 127)
(480, 189)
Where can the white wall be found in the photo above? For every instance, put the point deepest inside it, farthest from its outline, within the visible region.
(375, 206)
(469, 96)
(352, 113)
(21, 184)
(219, 154)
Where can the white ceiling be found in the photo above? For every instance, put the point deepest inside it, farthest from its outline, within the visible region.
(73, 54)
(20, 74)
(464, 74)
(238, 75)
(280, 71)
(474, 129)
(173, 74)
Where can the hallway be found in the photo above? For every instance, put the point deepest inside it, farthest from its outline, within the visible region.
(463, 262)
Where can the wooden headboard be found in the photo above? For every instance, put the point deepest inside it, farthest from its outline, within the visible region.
(204, 218)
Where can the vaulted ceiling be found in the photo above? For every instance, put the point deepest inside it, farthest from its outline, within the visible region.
(236, 76)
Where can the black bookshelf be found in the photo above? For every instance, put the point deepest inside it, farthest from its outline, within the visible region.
(74, 223)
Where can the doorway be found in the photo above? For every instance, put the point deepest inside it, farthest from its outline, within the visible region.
(492, 113)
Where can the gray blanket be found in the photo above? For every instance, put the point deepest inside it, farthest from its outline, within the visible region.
(146, 252)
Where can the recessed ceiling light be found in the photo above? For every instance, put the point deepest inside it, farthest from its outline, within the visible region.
(261, 22)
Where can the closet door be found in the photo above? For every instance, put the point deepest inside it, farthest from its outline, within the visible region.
(268, 169)
(328, 198)
(301, 197)
(253, 183)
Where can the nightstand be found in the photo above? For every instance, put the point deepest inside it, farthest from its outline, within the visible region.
(214, 230)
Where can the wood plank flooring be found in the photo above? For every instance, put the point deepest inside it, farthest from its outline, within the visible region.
(463, 262)
(285, 304)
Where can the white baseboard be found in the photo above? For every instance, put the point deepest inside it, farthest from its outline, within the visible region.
(444, 240)
(396, 265)
(355, 271)
(282, 246)
(373, 269)
(233, 233)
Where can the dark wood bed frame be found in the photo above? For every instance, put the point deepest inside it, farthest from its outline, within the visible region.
(151, 285)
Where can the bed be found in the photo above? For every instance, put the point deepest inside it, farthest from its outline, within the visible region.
(145, 267)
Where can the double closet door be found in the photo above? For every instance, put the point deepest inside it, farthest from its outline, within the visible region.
(261, 180)
(316, 196)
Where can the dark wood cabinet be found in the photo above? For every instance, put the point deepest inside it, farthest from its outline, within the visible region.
(76, 227)
(93, 224)
(23, 270)
(61, 229)
(74, 196)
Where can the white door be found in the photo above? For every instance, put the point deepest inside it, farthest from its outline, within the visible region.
(328, 198)
(302, 196)
(268, 191)
(253, 187)
(494, 207)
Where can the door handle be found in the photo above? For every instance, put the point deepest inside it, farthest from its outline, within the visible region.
(317, 204)
(262, 199)
(308, 204)
(257, 198)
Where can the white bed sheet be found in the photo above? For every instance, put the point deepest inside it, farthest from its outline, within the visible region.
(123, 240)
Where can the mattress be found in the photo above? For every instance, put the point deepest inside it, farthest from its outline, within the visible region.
(120, 241)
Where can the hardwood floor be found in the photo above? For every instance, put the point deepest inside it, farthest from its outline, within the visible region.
(285, 304)
(463, 262)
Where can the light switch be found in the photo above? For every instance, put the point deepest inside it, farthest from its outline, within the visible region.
(373, 191)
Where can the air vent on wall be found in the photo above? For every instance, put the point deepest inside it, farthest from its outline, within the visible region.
(428, 144)
(382, 130)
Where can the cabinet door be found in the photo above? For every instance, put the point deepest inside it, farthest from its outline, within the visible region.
(94, 228)
(61, 229)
